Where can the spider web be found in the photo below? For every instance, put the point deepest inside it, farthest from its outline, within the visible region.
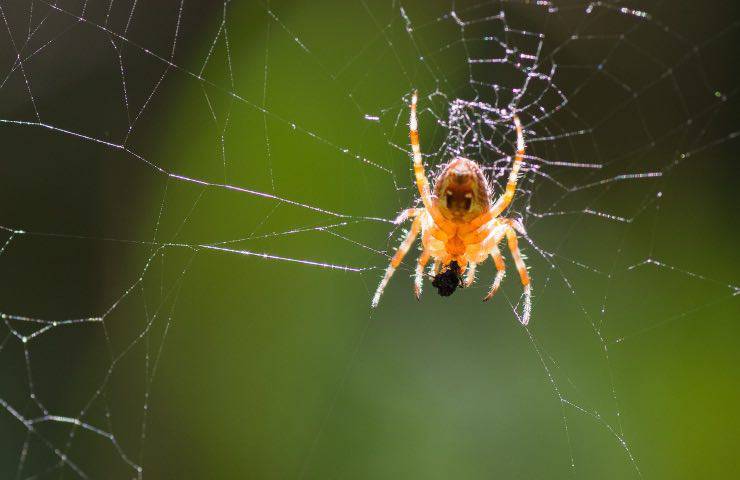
(198, 203)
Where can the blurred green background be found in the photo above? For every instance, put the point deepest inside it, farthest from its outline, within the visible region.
(223, 365)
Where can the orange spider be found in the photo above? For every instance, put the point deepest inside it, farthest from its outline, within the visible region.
(459, 224)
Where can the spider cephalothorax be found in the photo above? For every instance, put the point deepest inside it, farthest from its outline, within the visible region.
(460, 226)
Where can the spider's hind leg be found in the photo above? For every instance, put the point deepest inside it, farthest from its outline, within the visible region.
(470, 274)
(523, 274)
(406, 214)
(498, 260)
(397, 258)
(419, 274)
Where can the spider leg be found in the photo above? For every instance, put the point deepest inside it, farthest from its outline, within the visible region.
(498, 260)
(419, 274)
(406, 214)
(514, 248)
(436, 267)
(421, 179)
(397, 258)
(505, 200)
(470, 274)
(508, 195)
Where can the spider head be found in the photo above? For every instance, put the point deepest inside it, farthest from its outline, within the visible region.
(462, 190)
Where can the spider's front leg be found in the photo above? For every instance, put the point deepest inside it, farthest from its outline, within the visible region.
(420, 175)
(397, 258)
(505, 200)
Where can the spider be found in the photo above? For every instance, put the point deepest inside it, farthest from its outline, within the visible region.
(459, 224)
